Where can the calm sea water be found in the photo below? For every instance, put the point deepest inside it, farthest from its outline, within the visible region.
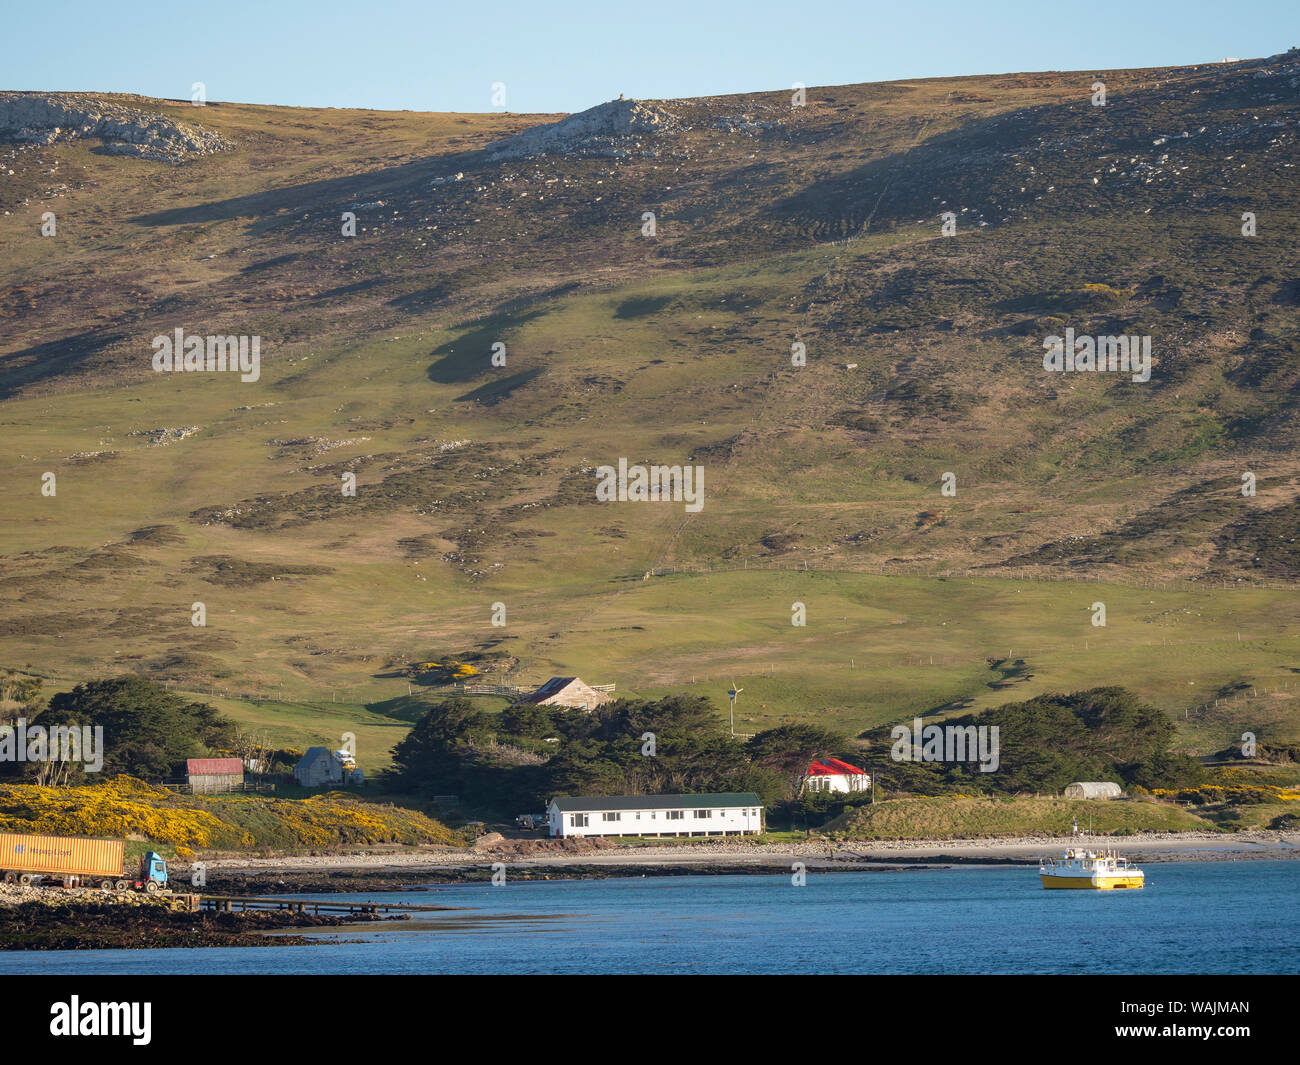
(1214, 917)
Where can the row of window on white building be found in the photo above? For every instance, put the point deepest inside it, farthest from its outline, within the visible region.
(580, 820)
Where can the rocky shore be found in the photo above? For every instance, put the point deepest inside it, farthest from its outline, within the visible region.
(83, 919)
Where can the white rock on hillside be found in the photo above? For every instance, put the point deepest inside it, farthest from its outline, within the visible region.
(46, 118)
(609, 129)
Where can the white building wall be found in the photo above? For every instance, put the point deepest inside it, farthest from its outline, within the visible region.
(840, 782)
(653, 822)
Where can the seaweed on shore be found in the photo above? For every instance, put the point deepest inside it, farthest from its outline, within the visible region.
(99, 926)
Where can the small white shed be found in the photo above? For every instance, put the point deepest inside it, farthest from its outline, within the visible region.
(1093, 789)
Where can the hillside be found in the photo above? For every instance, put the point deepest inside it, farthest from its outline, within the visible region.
(476, 483)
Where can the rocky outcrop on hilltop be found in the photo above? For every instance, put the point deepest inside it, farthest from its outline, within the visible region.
(1286, 64)
(163, 437)
(48, 118)
(616, 129)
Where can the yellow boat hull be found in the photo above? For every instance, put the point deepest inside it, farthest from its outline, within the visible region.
(1101, 883)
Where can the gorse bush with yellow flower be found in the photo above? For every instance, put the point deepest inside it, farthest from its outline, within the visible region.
(443, 672)
(1229, 793)
(118, 808)
(124, 807)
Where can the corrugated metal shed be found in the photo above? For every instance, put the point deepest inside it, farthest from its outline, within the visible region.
(1093, 789)
(213, 775)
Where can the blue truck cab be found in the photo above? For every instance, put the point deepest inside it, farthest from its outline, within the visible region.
(153, 868)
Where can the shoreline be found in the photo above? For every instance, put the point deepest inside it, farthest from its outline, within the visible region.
(72, 919)
(82, 918)
(713, 857)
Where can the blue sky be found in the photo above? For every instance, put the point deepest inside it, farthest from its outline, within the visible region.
(567, 56)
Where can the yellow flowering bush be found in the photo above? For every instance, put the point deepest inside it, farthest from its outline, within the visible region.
(124, 807)
(1231, 793)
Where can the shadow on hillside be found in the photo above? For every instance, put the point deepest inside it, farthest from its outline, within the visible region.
(641, 307)
(340, 191)
(981, 164)
(56, 358)
(409, 708)
(496, 391)
(469, 355)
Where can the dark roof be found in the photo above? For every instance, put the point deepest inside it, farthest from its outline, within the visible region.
(656, 802)
(555, 684)
(558, 686)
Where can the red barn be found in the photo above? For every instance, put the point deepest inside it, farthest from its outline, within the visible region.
(208, 775)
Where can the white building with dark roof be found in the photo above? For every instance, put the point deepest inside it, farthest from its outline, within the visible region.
(713, 814)
(321, 768)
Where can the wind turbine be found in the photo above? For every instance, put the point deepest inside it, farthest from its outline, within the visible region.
(732, 692)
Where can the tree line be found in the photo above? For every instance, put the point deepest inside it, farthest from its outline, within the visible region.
(518, 758)
(680, 744)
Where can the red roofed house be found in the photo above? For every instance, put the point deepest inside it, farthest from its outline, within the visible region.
(207, 775)
(830, 774)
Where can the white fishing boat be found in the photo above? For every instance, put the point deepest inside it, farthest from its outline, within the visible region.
(1083, 866)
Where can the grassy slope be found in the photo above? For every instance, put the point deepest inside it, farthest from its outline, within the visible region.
(669, 352)
(985, 818)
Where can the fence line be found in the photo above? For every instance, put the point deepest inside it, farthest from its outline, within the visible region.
(513, 691)
(510, 691)
(244, 788)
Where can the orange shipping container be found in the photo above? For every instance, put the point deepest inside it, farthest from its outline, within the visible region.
(61, 854)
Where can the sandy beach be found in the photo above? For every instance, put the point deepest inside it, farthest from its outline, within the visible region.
(743, 854)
